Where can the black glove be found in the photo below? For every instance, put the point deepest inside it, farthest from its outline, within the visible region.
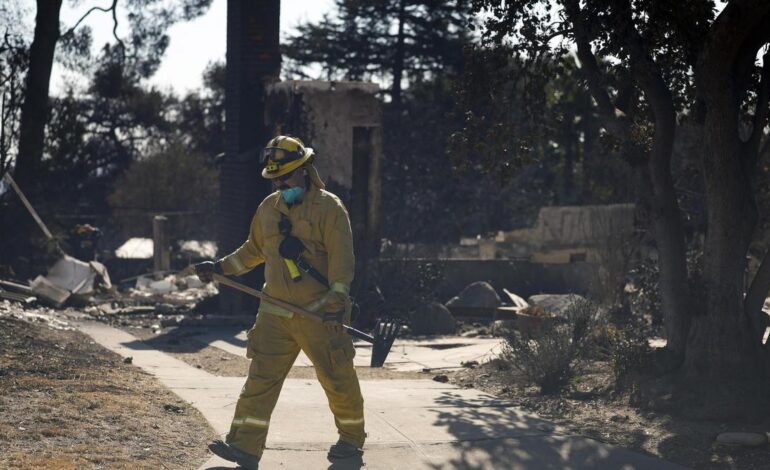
(333, 322)
(206, 270)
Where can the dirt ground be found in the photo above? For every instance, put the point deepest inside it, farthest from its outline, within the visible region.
(67, 403)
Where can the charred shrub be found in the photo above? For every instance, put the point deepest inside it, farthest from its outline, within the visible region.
(548, 356)
(629, 352)
(644, 296)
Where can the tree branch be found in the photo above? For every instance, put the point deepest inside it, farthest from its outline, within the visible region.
(112, 8)
(647, 74)
(115, 25)
(590, 68)
(736, 30)
(556, 34)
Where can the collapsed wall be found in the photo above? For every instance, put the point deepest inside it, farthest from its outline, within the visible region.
(569, 249)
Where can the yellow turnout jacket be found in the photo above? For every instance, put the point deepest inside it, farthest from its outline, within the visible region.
(321, 222)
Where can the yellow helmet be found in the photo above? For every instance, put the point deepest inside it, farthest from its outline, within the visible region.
(284, 154)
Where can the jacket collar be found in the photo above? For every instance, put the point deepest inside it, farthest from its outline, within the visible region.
(310, 197)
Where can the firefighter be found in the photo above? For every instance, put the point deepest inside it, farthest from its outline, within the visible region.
(302, 209)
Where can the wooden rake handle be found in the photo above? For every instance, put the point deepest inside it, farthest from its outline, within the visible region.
(222, 279)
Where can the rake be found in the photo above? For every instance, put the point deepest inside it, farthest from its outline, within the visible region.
(385, 332)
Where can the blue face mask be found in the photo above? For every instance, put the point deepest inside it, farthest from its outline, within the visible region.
(292, 195)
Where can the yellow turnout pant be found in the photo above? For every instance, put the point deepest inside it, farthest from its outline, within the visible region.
(274, 343)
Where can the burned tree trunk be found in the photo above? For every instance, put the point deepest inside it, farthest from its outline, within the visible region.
(253, 62)
(34, 111)
(721, 345)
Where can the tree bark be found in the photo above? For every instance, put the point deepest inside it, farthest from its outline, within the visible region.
(667, 217)
(253, 62)
(721, 346)
(34, 111)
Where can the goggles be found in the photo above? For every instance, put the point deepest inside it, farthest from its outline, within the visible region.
(275, 157)
(281, 154)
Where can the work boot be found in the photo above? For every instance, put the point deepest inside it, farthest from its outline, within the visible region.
(233, 454)
(343, 450)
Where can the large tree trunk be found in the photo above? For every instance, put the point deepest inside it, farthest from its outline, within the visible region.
(667, 217)
(34, 111)
(721, 346)
(253, 62)
(670, 239)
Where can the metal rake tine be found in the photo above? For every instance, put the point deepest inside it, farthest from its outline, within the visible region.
(390, 329)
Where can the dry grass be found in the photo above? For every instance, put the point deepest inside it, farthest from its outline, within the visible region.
(66, 403)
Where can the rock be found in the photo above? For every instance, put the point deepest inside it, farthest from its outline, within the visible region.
(555, 304)
(742, 439)
(501, 327)
(433, 319)
(128, 360)
(441, 378)
(173, 408)
(477, 295)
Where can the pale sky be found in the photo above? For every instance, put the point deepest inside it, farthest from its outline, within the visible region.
(193, 44)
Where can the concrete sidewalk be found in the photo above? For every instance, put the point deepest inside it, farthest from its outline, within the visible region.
(412, 424)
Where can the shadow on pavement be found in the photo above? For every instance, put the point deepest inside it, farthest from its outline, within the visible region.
(495, 436)
(353, 463)
(185, 340)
